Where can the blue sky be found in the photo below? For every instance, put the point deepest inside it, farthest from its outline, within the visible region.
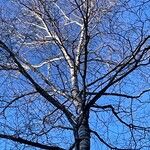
(115, 31)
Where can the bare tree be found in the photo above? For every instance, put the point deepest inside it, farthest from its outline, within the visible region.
(74, 74)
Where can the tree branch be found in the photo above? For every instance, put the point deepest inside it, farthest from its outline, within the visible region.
(130, 125)
(120, 95)
(131, 63)
(35, 144)
(53, 101)
(108, 145)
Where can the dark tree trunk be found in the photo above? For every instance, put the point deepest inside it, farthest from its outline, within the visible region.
(82, 134)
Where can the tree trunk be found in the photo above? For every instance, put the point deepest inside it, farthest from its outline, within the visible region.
(82, 134)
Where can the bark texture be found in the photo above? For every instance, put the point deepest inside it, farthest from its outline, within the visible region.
(83, 133)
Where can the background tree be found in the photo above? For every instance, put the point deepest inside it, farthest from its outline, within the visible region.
(74, 74)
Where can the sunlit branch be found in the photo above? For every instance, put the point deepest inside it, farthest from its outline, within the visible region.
(7, 67)
(67, 19)
(55, 102)
(42, 63)
(55, 37)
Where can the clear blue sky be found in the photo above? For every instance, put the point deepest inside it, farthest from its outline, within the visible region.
(135, 83)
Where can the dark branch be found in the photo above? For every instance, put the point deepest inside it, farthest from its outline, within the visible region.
(121, 95)
(35, 144)
(133, 61)
(114, 112)
(17, 98)
(108, 145)
(101, 140)
(130, 125)
(55, 102)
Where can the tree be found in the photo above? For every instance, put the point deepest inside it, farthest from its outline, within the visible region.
(74, 74)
